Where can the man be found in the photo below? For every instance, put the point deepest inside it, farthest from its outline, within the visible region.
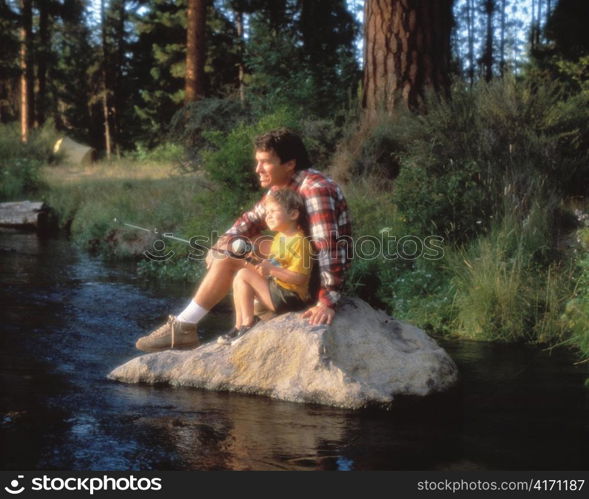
(281, 162)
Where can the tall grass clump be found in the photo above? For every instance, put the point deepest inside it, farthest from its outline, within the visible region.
(507, 287)
(20, 163)
(576, 313)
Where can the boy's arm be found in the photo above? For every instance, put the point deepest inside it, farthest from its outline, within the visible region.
(267, 268)
(297, 266)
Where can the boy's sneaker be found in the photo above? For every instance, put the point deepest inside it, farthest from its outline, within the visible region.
(234, 334)
(240, 334)
(173, 334)
(228, 337)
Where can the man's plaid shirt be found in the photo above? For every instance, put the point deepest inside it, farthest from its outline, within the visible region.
(329, 222)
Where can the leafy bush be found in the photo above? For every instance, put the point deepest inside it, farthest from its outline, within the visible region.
(411, 288)
(20, 163)
(177, 269)
(229, 159)
(460, 159)
(19, 176)
(168, 152)
(190, 124)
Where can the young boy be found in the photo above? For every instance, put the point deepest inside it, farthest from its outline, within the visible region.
(281, 282)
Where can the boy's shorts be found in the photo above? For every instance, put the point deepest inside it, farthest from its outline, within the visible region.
(284, 300)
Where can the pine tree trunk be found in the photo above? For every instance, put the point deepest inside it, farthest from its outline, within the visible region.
(25, 34)
(43, 53)
(195, 50)
(533, 27)
(116, 103)
(470, 23)
(539, 22)
(502, 42)
(488, 53)
(406, 51)
(105, 87)
(241, 68)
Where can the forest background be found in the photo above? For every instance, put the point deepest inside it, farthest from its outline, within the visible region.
(466, 120)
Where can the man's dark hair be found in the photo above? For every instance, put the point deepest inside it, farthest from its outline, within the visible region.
(286, 144)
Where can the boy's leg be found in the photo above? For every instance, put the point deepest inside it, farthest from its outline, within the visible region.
(237, 289)
(250, 284)
(219, 277)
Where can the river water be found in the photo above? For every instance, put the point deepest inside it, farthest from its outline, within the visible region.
(67, 319)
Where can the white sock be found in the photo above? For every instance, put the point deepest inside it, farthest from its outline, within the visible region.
(192, 313)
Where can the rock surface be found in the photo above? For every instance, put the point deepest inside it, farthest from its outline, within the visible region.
(22, 214)
(364, 357)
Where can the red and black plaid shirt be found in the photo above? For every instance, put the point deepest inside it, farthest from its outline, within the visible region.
(329, 223)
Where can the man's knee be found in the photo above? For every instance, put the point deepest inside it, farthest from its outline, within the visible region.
(224, 262)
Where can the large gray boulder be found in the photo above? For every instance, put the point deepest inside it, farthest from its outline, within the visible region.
(364, 357)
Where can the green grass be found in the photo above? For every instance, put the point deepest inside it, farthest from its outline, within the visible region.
(150, 195)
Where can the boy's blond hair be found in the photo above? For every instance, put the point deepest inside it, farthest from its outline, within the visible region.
(289, 200)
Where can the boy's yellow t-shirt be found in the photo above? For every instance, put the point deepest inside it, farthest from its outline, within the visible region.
(293, 253)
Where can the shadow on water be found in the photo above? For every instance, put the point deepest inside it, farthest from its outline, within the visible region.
(67, 319)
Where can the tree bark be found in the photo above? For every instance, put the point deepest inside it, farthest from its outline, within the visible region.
(241, 69)
(533, 27)
(195, 50)
(105, 86)
(502, 42)
(25, 34)
(470, 23)
(406, 51)
(119, 9)
(539, 22)
(488, 53)
(43, 54)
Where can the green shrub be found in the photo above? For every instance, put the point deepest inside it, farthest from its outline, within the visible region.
(460, 159)
(20, 163)
(18, 177)
(168, 152)
(189, 125)
(176, 269)
(229, 159)
(413, 289)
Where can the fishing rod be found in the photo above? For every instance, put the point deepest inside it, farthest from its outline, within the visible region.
(240, 247)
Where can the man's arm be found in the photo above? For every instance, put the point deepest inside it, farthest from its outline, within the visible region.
(323, 211)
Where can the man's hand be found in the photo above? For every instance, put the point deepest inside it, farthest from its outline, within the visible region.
(319, 314)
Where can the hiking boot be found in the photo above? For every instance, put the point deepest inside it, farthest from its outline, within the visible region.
(173, 334)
